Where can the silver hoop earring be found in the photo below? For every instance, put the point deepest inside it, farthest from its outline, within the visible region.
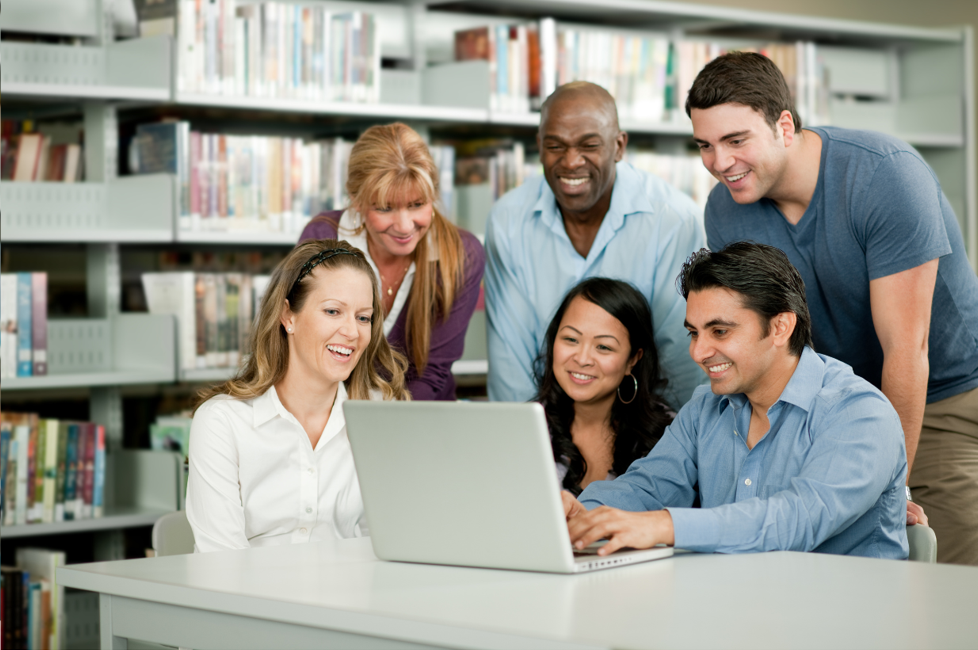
(634, 391)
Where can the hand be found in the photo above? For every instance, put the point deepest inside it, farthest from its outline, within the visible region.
(915, 514)
(621, 529)
(572, 507)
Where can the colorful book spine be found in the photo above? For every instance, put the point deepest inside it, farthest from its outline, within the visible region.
(37, 473)
(98, 491)
(31, 423)
(50, 427)
(4, 456)
(88, 485)
(10, 496)
(71, 471)
(25, 349)
(62, 472)
(76, 503)
(39, 322)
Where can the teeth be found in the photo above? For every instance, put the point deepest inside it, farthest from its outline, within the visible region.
(578, 375)
(339, 349)
(573, 181)
(734, 179)
(719, 368)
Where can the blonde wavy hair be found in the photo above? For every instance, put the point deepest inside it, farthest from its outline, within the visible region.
(380, 368)
(387, 162)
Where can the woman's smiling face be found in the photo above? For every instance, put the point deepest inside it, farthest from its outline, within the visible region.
(592, 352)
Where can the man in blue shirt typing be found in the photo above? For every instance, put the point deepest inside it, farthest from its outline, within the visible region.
(590, 215)
(786, 449)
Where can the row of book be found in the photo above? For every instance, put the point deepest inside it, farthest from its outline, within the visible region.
(51, 470)
(256, 183)
(685, 173)
(272, 49)
(23, 324)
(31, 601)
(649, 75)
(215, 313)
(504, 166)
(28, 156)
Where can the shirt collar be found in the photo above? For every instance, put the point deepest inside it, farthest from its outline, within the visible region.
(628, 196)
(267, 406)
(801, 389)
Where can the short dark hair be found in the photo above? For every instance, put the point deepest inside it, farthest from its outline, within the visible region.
(743, 78)
(763, 276)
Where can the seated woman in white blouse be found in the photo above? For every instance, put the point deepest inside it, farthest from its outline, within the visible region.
(270, 462)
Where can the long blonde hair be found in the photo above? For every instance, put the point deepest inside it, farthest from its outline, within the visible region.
(381, 367)
(387, 161)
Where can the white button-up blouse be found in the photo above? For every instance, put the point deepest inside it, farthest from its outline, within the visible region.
(255, 479)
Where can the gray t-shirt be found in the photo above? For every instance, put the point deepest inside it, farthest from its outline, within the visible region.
(878, 209)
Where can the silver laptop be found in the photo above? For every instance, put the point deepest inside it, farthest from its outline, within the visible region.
(466, 484)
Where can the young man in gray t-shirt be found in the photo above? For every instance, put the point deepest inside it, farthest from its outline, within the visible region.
(863, 218)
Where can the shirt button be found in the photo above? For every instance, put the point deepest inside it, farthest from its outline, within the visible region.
(735, 433)
(747, 481)
(312, 470)
(302, 530)
(308, 510)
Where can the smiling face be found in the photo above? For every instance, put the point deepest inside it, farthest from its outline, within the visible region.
(332, 330)
(397, 228)
(591, 353)
(742, 151)
(730, 342)
(579, 145)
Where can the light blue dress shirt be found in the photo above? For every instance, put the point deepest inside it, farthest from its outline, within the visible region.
(649, 231)
(827, 477)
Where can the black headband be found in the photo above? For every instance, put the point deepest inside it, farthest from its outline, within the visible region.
(318, 259)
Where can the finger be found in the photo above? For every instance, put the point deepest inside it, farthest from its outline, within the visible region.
(615, 542)
(911, 519)
(570, 503)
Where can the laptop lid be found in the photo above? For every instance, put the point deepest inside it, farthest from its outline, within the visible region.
(460, 483)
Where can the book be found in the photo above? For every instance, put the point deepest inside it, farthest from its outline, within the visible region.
(8, 325)
(157, 17)
(28, 156)
(62, 472)
(39, 435)
(25, 348)
(4, 457)
(39, 322)
(10, 489)
(74, 164)
(78, 504)
(22, 431)
(90, 433)
(98, 491)
(71, 471)
(42, 564)
(51, 429)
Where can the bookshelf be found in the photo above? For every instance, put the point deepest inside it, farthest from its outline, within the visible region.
(913, 82)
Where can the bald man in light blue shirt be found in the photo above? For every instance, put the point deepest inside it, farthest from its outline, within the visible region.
(590, 215)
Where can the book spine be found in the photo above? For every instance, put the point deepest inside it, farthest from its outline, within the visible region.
(89, 483)
(71, 472)
(10, 498)
(62, 472)
(98, 491)
(79, 501)
(4, 458)
(25, 348)
(23, 433)
(39, 432)
(39, 322)
(31, 468)
(50, 429)
(8, 324)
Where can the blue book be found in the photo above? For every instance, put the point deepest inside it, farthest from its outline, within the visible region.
(4, 451)
(98, 491)
(25, 347)
(71, 471)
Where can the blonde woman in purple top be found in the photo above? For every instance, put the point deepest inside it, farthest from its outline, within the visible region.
(429, 270)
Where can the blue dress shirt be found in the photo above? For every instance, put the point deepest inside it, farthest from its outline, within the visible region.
(648, 232)
(827, 477)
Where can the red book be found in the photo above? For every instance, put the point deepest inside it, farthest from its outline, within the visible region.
(87, 477)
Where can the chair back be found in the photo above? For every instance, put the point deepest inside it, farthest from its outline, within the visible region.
(172, 535)
(923, 543)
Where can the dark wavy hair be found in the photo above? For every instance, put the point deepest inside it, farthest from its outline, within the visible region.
(639, 424)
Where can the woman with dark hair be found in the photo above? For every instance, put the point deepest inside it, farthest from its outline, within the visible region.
(598, 380)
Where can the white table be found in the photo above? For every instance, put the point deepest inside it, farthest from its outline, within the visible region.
(338, 595)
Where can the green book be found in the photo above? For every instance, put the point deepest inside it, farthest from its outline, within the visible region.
(51, 429)
(37, 516)
(61, 472)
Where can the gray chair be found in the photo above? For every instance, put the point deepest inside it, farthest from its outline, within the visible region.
(923, 543)
(172, 535)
